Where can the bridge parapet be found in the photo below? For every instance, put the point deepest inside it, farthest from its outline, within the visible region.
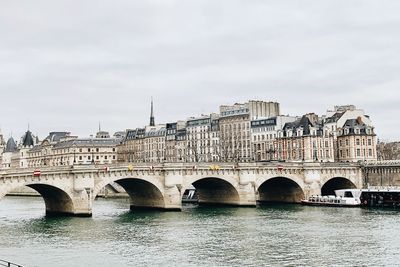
(382, 163)
(162, 185)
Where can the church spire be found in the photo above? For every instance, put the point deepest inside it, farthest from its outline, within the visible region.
(152, 114)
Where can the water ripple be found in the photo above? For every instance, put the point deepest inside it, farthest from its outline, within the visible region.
(288, 235)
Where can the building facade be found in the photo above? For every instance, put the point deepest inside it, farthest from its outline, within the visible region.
(264, 133)
(249, 132)
(356, 141)
(235, 131)
(305, 140)
(62, 149)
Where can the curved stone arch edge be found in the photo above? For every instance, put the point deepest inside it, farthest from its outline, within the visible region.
(72, 198)
(353, 180)
(29, 184)
(188, 183)
(260, 181)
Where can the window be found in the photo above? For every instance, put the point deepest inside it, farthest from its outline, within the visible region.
(357, 142)
(369, 142)
(358, 152)
(348, 194)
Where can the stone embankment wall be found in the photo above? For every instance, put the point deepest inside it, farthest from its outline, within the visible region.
(382, 179)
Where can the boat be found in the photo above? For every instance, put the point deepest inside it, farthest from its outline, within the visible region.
(379, 196)
(342, 198)
(190, 196)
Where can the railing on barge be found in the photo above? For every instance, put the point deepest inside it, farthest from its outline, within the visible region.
(9, 264)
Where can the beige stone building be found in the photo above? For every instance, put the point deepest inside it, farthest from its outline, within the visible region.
(336, 119)
(305, 140)
(175, 146)
(154, 144)
(61, 149)
(253, 131)
(131, 147)
(234, 123)
(356, 141)
(202, 140)
(263, 135)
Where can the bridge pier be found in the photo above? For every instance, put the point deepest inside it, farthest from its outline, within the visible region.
(247, 195)
(83, 203)
(172, 199)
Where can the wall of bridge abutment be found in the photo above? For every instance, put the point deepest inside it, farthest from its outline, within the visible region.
(382, 175)
(59, 193)
(71, 191)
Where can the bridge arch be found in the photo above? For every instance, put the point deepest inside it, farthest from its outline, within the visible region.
(336, 183)
(215, 190)
(57, 200)
(144, 193)
(280, 189)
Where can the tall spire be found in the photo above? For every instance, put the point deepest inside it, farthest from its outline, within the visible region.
(152, 114)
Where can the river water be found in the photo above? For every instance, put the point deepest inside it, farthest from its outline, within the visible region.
(286, 235)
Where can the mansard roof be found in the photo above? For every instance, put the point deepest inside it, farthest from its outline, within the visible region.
(303, 122)
(132, 134)
(36, 148)
(156, 133)
(54, 137)
(335, 117)
(352, 124)
(87, 142)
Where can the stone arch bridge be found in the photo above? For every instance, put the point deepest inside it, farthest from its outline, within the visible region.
(71, 190)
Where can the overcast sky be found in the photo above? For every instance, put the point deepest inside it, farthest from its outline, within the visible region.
(66, 65)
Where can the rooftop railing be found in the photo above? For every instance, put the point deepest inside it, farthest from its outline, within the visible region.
(9, 264)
